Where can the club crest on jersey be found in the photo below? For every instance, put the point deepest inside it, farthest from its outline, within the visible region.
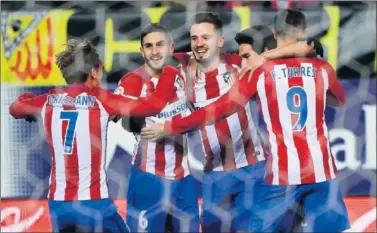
(178, 81)
(228, 79)
(119, 91)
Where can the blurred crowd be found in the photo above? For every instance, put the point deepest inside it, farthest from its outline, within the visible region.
(200, 5)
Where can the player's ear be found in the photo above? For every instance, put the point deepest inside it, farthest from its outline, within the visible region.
(221, 41)
(93, 74)
(142, 51)
(171, 48)
(301, 33)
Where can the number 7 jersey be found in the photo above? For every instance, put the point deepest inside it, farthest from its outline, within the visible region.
(75, 119)
(292, 97)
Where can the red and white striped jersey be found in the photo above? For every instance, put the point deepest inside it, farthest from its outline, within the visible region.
(167, 157)
(75, 120)
(230, 143)
(292, 96)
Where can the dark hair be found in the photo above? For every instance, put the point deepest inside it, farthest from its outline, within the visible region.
(77, 60)
(207, 17)
(154, 27)
(259, 37)
(288, 22)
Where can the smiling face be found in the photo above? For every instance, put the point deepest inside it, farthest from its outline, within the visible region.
(206, 42)
(246, 52)
(156, 49)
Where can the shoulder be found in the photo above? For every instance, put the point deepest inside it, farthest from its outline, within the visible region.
(101, 93)
(131, 76)
(232, 58)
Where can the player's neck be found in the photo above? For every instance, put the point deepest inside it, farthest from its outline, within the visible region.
(209, 66)
(151, 72)
(282, 42)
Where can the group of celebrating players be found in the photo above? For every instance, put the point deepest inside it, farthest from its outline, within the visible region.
(198, 103)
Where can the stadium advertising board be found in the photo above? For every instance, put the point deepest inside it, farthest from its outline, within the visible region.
(33, 215)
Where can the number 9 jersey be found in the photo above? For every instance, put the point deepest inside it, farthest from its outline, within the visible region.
(292, 97)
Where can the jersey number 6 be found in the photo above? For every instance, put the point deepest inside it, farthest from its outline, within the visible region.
(71, 117)
(297, 104)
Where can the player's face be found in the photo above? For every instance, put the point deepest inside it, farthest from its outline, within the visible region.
(156, 49)
(206, 42)
(246, 53)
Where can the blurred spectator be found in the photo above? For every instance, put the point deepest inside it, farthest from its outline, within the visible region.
(173, 4)
(352, 4)
(231, 4)
(12, 6)
(282, 4)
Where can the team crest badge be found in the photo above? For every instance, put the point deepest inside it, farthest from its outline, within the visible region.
(178, 81)
(228, 79)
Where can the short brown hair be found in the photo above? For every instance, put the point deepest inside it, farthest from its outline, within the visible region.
(288, 22)
(77, 60)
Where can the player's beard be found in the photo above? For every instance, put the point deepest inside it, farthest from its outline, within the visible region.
(157, 68)
(206, 60)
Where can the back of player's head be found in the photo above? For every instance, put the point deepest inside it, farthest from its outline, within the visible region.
(259, 37)
(207, 17)
(154, 27)
(77, 60)
(289, 22)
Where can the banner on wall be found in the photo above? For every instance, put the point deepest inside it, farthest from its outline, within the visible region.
(31, 39)
(29, 43)
(33, 215)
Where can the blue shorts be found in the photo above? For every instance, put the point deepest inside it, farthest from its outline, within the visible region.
(87, 216)
(322, 207)
(229, 198)
(155, 204)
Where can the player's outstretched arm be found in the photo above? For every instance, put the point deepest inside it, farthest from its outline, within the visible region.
(27, 105)
(309, 47)
(145, 106)
(228, 104)
(335, 95)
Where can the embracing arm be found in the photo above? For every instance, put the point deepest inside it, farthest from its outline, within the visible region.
(236, 98)
(28, 104)
(145, 106)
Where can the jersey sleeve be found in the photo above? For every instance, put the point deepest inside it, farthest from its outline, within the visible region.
(27, 104)
(335, 88)
(233, 58)
(130, 86)
(145, 106)
(236, 98)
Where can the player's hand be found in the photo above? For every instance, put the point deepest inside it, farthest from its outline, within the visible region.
(192, 67)
(153, 133)
(30, 118)
(253, 63)
(317, 46)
